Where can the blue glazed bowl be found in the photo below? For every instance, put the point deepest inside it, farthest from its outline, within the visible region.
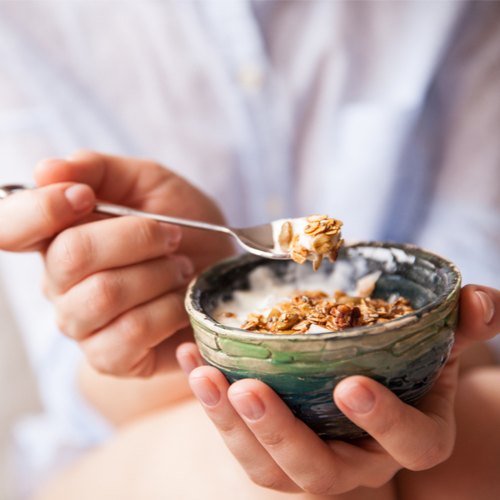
(404, 354)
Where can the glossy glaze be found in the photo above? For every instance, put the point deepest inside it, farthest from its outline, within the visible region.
(405, 354)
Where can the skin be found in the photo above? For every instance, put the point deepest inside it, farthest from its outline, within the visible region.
(280, 452)
(126, 274)
(117, 287)
(177, 453)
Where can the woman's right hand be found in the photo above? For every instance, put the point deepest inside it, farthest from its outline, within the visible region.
(117, 283)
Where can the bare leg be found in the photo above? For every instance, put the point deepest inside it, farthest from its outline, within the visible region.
(473, 469)
(176, 453)
(173, 454)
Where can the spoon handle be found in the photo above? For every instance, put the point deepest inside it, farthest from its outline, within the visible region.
(110, 209)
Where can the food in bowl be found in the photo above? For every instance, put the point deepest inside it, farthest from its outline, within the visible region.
(310, 238)
(306, 311)
(405, 354)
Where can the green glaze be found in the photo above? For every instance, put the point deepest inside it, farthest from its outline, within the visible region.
(405, 354)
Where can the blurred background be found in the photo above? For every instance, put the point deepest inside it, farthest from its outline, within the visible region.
(152, 90)
(17, 394)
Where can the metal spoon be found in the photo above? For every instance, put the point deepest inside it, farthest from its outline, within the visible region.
(260, 240)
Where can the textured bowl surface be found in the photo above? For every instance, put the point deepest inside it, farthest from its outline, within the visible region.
(405, 354)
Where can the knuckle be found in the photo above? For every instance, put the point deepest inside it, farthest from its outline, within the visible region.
(274, 439)
(64, 324)
(102, 364)
(154, 169)
(227, 428)
(71, 251)
(104, 361)
(66, 321)
(147, 232)
(114, 352)
(109, 362)
(320, 485)
(278, 437)
(46, 210)
(145, 368)
(83, 152)
(268, 479)
(133, 326)
(438, 452)
(104, 293)
(86, 155)
(386, 425)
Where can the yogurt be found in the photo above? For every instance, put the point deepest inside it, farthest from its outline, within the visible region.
(308, 238)
(266, 290)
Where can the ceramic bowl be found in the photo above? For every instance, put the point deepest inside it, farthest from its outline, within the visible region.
(404, 354)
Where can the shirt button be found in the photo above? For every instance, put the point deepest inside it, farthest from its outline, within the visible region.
(251, 77)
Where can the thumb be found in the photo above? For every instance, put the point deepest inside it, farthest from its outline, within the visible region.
(416, 438)
(479, 317)
(32, 216)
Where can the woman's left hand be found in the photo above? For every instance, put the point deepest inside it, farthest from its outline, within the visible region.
(280, 452)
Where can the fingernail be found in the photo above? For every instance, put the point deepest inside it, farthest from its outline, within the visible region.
(356, 397)
(248, 405)
(80, 197)
(188, 363)
(488, 306)
(205, 390)
(185, 265)
(172, 234)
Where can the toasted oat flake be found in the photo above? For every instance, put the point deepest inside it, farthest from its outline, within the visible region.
(339, 312)
(285, 237)
(316, 218)
(228, 315)
(319, 237)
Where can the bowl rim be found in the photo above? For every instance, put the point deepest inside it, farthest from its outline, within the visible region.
(442, 303)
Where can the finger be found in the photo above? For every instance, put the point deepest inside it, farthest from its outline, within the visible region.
(32, 216)
(478, 318)
(210, 386)
(83, 250)
(189, 357)
(132, 182)
(416, 438)
(146, 186)
(126, 346)
(114, 179)
(314, 465)
(105, 295)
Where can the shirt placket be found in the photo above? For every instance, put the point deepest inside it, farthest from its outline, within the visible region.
(261, 119)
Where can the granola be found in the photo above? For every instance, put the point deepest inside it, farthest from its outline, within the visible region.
(311, 239)
(339, 312)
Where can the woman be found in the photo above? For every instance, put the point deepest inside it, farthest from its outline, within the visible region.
(264, 105)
